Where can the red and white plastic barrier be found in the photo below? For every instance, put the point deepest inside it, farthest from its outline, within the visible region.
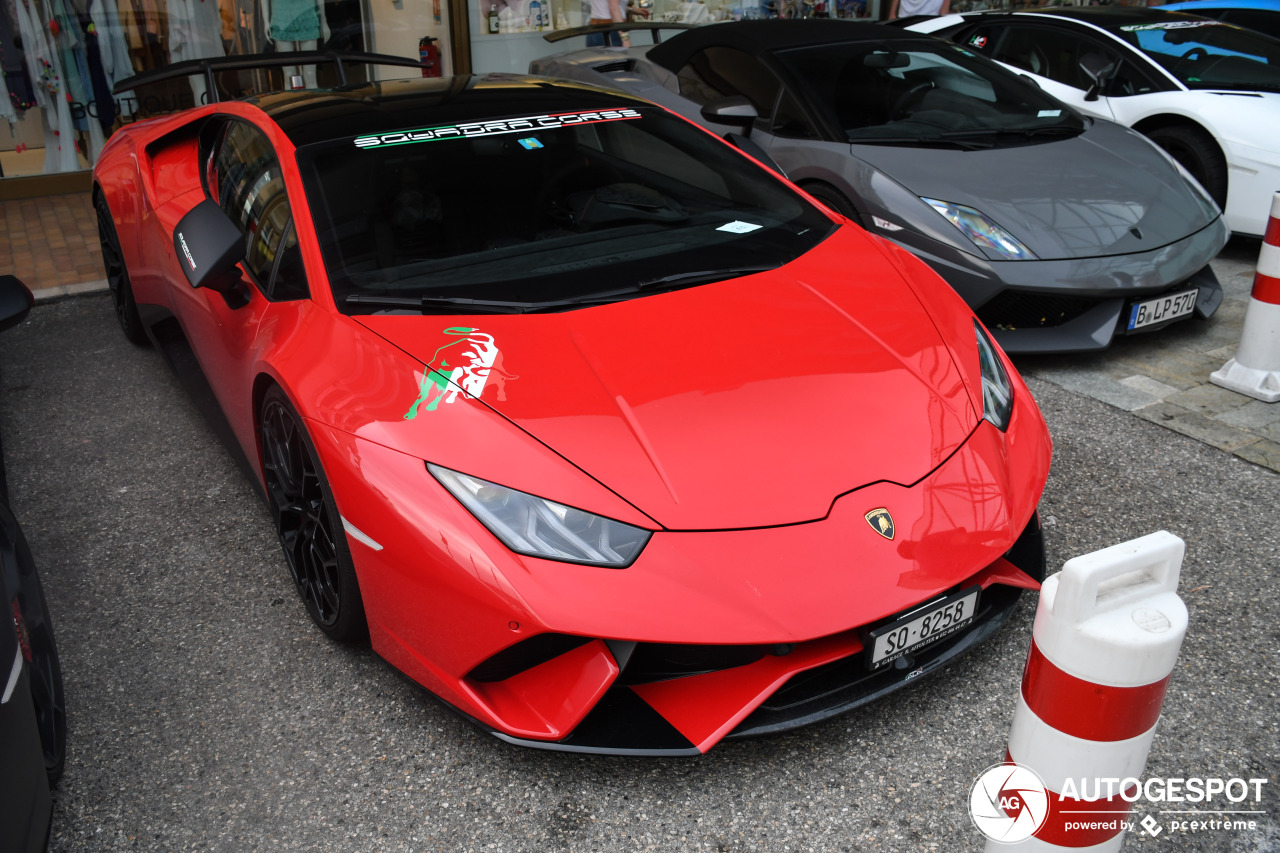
(1255, 371)
(1106, 638)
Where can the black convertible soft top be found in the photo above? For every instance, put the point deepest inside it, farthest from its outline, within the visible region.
(761, 36)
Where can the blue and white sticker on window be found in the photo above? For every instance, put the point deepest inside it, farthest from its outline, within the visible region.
(524, 125)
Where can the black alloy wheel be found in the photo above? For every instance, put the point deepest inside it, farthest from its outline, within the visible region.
(307, 522)
(832, 198)
(1198, 153)
(41, 652)
(118, 275)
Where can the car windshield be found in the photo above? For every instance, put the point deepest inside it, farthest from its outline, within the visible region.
(545, 212)
(927, 94)
(1206, 54)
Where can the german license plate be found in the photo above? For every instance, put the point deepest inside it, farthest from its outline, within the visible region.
(917, 630)
(1161, 309)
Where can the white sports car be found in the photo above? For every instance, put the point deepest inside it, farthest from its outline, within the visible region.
(1205, 91)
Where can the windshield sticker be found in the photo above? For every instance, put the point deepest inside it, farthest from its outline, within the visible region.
(739, 227)
(978, 41)
(1170, 25)
(492, 128)
(475, 361)
(1048, 113)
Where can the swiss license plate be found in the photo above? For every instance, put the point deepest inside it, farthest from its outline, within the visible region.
(1161, 309)
(917, 630)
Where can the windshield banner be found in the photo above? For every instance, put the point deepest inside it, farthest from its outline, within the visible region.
(490, 128)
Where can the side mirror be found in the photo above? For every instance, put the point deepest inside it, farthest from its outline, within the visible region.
(749, 146)
(209, 245)
(15, 301)
(1098, 69)
(735, 111)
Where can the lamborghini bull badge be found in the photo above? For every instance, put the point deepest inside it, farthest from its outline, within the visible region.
(881, 522)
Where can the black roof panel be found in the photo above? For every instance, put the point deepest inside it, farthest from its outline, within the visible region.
(761, 36)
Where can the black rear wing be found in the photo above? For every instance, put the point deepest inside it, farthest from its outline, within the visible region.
(656, 27)
(255, 61)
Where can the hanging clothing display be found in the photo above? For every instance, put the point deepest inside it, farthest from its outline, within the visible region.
(295, 20)
(112, 46)
(251, 28)
(45, 68)
(195, 30)
(61, 61)
(104, 105)
(18, 95)
(144, 30)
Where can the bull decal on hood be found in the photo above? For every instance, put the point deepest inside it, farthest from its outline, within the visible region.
(476, 363)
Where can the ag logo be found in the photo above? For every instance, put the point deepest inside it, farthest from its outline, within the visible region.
(881, 522)
(1008, 803)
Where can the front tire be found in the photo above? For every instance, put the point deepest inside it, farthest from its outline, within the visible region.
(307, 522)
(118, 275)
(1198, 153)
(832, 198)
(47, 694)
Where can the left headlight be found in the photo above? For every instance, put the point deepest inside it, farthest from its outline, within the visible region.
(997, 390)
(981, 231)
(537, 527)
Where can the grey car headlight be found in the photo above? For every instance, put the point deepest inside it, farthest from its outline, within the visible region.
(537, 527)
(997, 390)
(981, 231)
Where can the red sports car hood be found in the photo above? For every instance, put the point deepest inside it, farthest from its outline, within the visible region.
(745, 403)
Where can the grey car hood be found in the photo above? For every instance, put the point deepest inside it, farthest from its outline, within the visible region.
(1107, 191)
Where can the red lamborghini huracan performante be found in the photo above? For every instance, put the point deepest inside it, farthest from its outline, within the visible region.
(599, 429)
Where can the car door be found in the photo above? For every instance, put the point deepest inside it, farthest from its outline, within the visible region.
(243, 175)
(1051, 54)
(785, 129)
(722, 72)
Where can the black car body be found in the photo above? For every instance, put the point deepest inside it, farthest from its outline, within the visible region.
(32, 711)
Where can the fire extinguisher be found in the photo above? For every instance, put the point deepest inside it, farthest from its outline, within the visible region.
(429, 56)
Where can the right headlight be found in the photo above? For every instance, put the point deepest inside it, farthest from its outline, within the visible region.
(997, 390)
(535, 526)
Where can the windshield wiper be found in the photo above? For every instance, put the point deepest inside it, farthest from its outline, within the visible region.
(701, 276)
(425, 304)
(1027, 132)
(919, 140)
(466, 305)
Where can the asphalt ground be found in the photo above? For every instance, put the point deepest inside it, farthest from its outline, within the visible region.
(206, 713)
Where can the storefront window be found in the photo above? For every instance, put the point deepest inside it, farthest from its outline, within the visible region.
(61, 59)
(506, 35)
